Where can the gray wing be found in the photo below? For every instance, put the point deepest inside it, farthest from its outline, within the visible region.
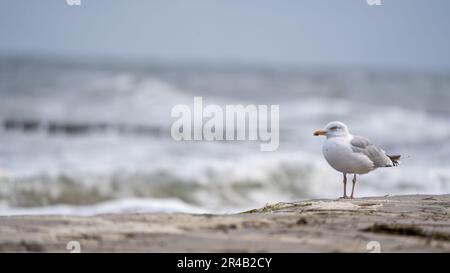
(376, 155)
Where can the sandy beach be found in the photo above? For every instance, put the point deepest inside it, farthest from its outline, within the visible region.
(415, 223)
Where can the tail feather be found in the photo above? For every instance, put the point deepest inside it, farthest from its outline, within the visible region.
(395, 159)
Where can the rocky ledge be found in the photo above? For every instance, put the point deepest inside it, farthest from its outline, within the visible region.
(414, 223)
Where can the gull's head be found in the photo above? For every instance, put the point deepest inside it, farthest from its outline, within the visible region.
(333, 129)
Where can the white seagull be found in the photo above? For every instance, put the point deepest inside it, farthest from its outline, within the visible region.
(351, 154)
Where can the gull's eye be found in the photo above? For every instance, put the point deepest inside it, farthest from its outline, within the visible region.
(334, 128)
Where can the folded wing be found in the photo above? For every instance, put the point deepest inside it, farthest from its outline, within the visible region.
(376, 155)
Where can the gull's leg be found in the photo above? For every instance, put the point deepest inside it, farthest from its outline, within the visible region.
(345, 186)
(353, 186)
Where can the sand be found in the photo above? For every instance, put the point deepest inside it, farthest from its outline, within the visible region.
(416, 223)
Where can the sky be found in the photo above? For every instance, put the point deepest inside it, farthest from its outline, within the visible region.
(399, 33)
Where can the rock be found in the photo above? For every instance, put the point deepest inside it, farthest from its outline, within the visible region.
(374, 224)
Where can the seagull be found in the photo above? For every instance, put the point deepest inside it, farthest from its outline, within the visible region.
(351, 154)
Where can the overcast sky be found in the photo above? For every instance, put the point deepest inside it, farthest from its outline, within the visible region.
(400, 33)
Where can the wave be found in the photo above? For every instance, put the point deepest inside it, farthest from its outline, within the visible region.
(206, 184)
(130, 205)
(79, 136)
(209, 185)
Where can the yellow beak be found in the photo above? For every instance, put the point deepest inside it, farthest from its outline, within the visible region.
(319, 133)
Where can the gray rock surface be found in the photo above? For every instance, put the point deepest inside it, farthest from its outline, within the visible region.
(416, 223)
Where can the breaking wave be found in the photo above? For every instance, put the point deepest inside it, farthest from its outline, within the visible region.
(90, 139)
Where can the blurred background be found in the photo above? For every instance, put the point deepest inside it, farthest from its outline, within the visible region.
(86, 93)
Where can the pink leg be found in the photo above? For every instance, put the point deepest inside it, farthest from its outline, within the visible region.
(345, 186)
(353, 186)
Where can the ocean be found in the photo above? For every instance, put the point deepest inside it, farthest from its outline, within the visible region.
(85, 136)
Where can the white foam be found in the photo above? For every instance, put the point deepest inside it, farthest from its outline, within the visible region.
(46, 170)
(131, 205)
